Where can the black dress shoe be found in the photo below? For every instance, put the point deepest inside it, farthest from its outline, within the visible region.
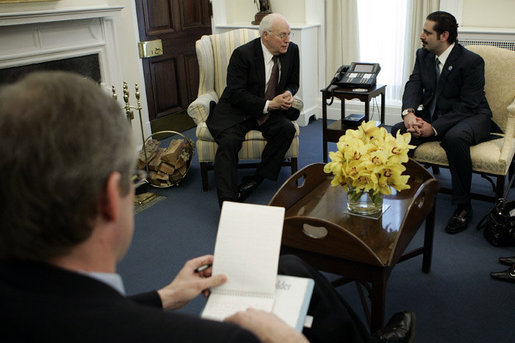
(248, 185)
(400, 328)
(459, 220)
(507, 275)
(509, 261)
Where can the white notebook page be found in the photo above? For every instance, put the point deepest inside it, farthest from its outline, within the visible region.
(247, 251)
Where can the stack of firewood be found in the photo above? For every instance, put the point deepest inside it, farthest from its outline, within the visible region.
(167, 166)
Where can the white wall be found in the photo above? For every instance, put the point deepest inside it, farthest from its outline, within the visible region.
(241, 12)
(491, 13)
(127, 41)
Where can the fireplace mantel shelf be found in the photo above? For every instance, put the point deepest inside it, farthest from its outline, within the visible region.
(21, 18)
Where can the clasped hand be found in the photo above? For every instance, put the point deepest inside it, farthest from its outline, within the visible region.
(282, 101)
(417, 126)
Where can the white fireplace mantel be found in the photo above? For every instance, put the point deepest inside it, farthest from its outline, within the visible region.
(22, 18)
(41, 36)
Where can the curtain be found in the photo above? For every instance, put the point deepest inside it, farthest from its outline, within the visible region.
(342, 34)
(382, 31)
(418, 10)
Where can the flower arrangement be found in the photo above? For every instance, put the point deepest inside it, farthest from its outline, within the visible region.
(370, 160)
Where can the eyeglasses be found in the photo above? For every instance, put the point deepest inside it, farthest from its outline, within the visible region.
(282, 35)
(139, 177)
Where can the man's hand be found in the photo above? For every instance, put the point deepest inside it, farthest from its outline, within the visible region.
(411, 121)
(418, 127)
(267, 326)
(282, 101)
(188, 284)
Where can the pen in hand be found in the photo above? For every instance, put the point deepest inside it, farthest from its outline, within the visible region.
(203, 267)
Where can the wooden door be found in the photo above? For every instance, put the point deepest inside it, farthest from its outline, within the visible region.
(171, 79)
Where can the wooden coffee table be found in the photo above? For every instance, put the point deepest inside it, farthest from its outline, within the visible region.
(318, 228)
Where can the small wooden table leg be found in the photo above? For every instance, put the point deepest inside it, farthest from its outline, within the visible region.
(428, 240)
(377, 300)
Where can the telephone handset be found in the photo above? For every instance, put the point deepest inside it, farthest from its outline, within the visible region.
(357, 75)
(339, 74)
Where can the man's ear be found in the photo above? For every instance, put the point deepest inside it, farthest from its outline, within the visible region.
(444, 36)
(110, 204)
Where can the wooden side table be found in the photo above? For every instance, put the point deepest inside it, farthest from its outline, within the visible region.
(319, 230)
(331, 133)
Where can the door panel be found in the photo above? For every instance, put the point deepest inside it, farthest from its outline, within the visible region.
(171, 80)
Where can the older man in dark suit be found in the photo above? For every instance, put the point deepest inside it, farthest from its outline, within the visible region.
(444, 100)
(262, 77)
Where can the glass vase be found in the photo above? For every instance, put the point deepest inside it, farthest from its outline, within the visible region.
(363, 203)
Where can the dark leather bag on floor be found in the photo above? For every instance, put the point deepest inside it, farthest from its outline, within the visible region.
(499, 224)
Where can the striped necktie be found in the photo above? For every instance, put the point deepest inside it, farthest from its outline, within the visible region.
(432, 107)
(271, 87)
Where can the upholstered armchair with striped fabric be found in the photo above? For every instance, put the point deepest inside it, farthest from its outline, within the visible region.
(213, 54)
(493, 158)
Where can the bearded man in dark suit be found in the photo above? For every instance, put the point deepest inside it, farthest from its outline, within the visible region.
(256, 100)
(444, 100)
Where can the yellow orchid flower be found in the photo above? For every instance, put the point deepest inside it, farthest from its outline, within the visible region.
(369, 159)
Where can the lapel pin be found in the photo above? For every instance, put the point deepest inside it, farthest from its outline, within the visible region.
(450, 68)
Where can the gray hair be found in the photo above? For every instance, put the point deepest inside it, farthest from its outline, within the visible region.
(61, 136)
(268, 21)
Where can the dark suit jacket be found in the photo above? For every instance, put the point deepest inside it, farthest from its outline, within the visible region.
(41, 303)
(459, 95)
(243, 97)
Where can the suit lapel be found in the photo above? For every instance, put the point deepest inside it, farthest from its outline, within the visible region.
(260, 66)
(284, 65)
(448, 68)
(430, 68)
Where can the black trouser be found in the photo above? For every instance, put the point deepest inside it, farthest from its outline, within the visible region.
(333, 319)
(277, 130)
(456, 142)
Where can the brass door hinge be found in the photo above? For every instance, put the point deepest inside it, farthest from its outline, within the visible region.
(150, 48)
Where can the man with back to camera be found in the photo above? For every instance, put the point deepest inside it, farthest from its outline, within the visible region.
(258, 96)
(448, 81)
(67, 220)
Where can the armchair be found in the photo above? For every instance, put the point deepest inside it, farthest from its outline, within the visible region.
(493, 158)
(213, 54)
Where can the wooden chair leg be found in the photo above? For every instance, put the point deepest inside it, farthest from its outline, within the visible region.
(204, 175)
(499, 189)
(293, 165)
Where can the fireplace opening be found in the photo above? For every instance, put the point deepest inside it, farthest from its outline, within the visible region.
(87, 65)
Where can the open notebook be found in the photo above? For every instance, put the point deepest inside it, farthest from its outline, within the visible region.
(247, 251)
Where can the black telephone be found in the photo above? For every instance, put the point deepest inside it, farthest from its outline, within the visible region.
(339, 74)
(357, 75)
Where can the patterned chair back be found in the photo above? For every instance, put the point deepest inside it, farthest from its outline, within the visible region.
(214, 53)
(499, 80)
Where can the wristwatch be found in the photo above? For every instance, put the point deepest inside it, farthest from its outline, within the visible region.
(406, 111)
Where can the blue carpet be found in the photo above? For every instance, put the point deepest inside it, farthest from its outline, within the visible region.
(456, 302)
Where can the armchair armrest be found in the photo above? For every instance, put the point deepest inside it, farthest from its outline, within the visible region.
(298, 104)
(506, 150)
(198, 110)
